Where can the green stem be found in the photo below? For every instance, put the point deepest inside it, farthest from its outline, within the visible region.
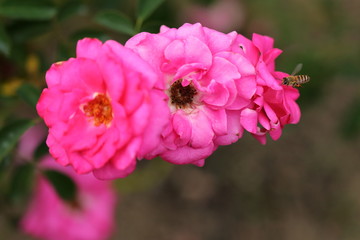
(138, 24)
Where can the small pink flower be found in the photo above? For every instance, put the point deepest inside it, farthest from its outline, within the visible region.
(272, 104)
(102, 109)
(50, 218)
(221, 15)
(200, 83)
(30, 140)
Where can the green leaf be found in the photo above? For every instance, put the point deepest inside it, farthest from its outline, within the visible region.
(64, 52)
(5, 43)
(29, 94)
(28, 12)
(90, 33)
(41, 151)
(5, 163)
(10, 134)
(70, 9)
(147, 7)
(350, 125)
(21, 182)
(63, 184)
(115, 20)
(23, 31)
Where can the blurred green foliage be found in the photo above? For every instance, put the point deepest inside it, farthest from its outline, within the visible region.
(350, 124)
(312, 178)
(10, 134)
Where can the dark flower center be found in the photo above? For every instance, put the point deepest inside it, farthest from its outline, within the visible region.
(99, 109)
(181, 96)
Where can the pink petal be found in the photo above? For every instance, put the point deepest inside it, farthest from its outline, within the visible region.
(291, 93)
(245, 47)
(187, 154)
(79, 74)
(190, 50)
(191, 30)
(276, 131)
(217, 41)
(243, 64)
(150, 47)
(223, 70)
(47, 108)
(121, 165)
(239, 103)
(294, 110)
(189, 72)
(270, 57)
(217, 94)
(88, 48)
(126, 157)
(139, 119)
(264, 120)
(263, 43)
(158, 119)
(199, 163)
(270, 113)
(248, 120)
(218, 119)
(235, 130)
(260, 137)
(53, 75)
(164, 28)
(267, 77)
(114, 77)
(182, 127)
(56, 150)
(274, 96)
(246, 86)
(202, 133)
(109, 172)
(132, 61)
(79, 163)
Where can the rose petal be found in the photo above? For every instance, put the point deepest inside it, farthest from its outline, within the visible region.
(201, 128)
(248, 120)
(88, 48)
(187, 154)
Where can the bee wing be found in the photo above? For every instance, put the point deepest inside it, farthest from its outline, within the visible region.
(297, 69)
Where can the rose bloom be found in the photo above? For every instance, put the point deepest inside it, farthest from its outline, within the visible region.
(29, 141)
(91, 217)
(221, 15)
(102, 109)
(272, 105)
(200, 84)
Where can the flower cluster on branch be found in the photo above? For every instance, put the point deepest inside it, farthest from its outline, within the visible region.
(178, 94)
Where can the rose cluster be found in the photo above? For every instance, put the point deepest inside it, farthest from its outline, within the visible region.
(178, 94)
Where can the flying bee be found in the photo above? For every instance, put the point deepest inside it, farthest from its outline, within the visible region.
(296, 80)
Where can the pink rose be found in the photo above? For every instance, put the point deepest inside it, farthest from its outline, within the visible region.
(200, 84)
(30, 140)
(102, 109)
(90, 218)
(221, 15)
(272, 104)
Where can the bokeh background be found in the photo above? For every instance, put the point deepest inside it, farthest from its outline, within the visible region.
(306, 185)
